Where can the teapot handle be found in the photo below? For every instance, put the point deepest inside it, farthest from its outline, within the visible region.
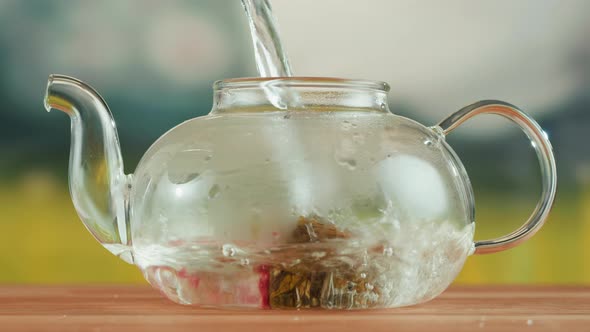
(544, 152)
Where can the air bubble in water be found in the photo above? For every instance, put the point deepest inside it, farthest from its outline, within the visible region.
(228, 250)
(318, 254)
(388, 251)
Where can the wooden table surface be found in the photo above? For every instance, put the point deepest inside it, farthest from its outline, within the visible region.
(132, 308)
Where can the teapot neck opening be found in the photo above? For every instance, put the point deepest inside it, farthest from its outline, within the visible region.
(253, 95)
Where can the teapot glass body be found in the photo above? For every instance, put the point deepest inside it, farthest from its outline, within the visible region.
(307, 193)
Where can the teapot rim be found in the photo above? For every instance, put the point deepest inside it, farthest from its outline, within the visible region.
(301, 81)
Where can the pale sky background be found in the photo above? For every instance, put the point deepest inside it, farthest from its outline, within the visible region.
(441, 55)
(438, 56)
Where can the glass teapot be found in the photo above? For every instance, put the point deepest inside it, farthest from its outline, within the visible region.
(332, 203)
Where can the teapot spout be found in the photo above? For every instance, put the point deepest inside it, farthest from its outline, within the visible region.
(98, 185)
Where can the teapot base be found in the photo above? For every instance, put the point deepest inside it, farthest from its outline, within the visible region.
(247, 291)
(341, 274)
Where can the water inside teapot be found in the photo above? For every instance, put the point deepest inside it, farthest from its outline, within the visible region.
(293, 229)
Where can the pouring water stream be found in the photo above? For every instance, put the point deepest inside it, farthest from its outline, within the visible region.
(271, 58)
(272, 61)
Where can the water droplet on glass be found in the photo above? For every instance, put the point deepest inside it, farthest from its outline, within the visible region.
(346, 125)
(428, 142)
(363, 275)
(228, 250)
(244, 261)
(358, 138)
(214, 191)
(182, 178)
(383, 106)
(348, 162)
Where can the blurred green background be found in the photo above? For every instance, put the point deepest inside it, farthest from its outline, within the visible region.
(155, 62)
